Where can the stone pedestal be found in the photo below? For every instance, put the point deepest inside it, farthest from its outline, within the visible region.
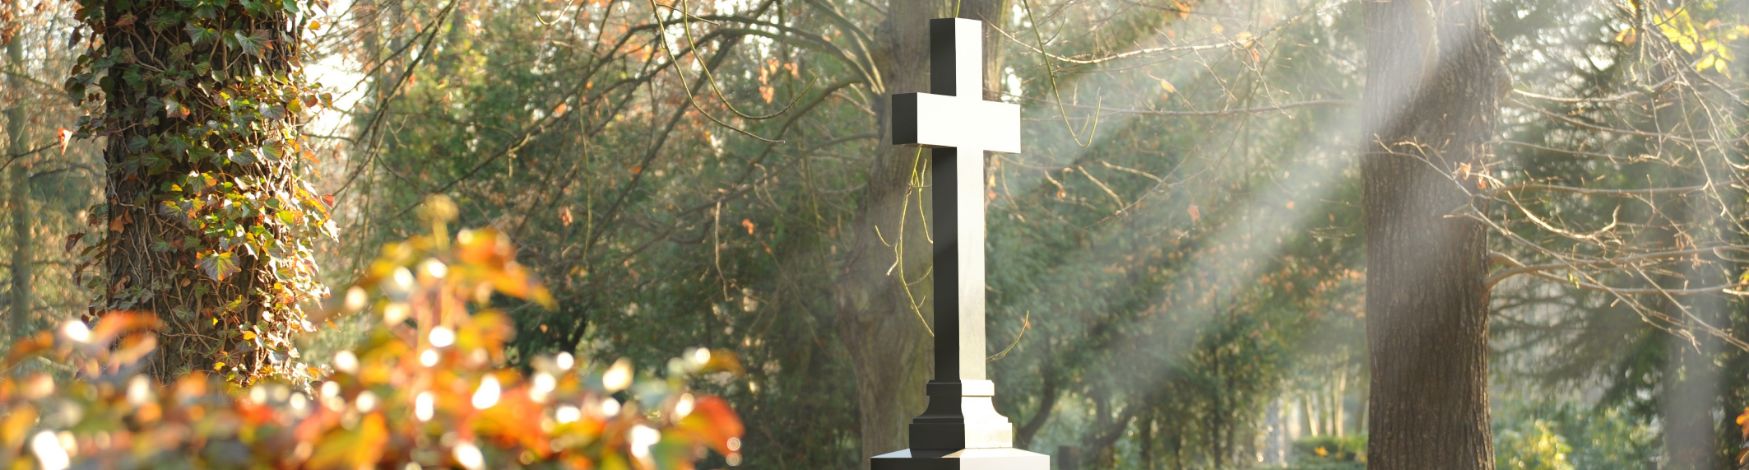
(961, 430)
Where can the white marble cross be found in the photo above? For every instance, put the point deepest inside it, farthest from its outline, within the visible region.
(958, 126)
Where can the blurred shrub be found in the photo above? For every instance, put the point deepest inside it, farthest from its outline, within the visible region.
(1557, 434)
(427, 387)
(1330, 452)
(1532, 445)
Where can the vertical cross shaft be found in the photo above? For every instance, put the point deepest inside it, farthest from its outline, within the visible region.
(958, 182)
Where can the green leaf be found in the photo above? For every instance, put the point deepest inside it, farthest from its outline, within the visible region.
(254, 43)
(240, 158)
(199, 35)
(219, 266)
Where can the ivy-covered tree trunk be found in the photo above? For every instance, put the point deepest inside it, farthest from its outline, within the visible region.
(1433, 85)
(208, 224)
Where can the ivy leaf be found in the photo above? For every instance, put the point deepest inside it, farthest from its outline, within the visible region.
(73, 242)
(174, 109)
(240, 158)
(254, 43)
(199, 35)
(219, 265)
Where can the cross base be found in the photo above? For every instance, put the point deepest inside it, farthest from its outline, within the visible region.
(961, 415)
(964, 459)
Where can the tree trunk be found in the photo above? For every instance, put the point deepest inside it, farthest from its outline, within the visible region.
(18, 194)
(209, 225)
(888, 344)
(1691, 437)
(1336, 405)
(1433, 83)
(887, 341)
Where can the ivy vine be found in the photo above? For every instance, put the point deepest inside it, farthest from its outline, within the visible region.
(207, 220)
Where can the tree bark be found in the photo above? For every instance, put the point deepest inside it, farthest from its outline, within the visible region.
(18, 195)
(1433, 83)
(888, 344)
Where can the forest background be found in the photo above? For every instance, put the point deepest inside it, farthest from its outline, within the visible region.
(1177, 259)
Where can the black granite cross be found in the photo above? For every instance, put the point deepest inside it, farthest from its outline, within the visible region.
(961, 428)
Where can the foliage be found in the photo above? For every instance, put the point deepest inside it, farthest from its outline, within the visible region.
(652, 227)
(1532, 445)
(1709, 42)
(1542, 432)
(207, 220)
(427, 387)
(1332, 452)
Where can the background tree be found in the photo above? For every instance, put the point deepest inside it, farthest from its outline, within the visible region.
(19, 310)
(48, 182)
(1434, 79)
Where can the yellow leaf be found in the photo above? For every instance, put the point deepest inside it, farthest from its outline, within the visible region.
(1706, 63)
(248, 335)
(1167, 87)
(16, 425)
(360, 447)
(219, 365)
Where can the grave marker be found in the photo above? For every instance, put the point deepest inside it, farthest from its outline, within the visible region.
(961, 428)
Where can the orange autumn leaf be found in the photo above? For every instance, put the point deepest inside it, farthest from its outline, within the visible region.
(64, 136)
(1743, 422)
(712, 421)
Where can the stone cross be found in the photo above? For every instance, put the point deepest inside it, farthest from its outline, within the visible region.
(961, 428)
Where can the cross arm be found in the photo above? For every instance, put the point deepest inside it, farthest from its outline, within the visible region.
(949, 121)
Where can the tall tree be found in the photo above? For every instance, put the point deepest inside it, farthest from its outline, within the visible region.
(209, 224)
(880, 321)
(1433, 84)
(18, 184)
